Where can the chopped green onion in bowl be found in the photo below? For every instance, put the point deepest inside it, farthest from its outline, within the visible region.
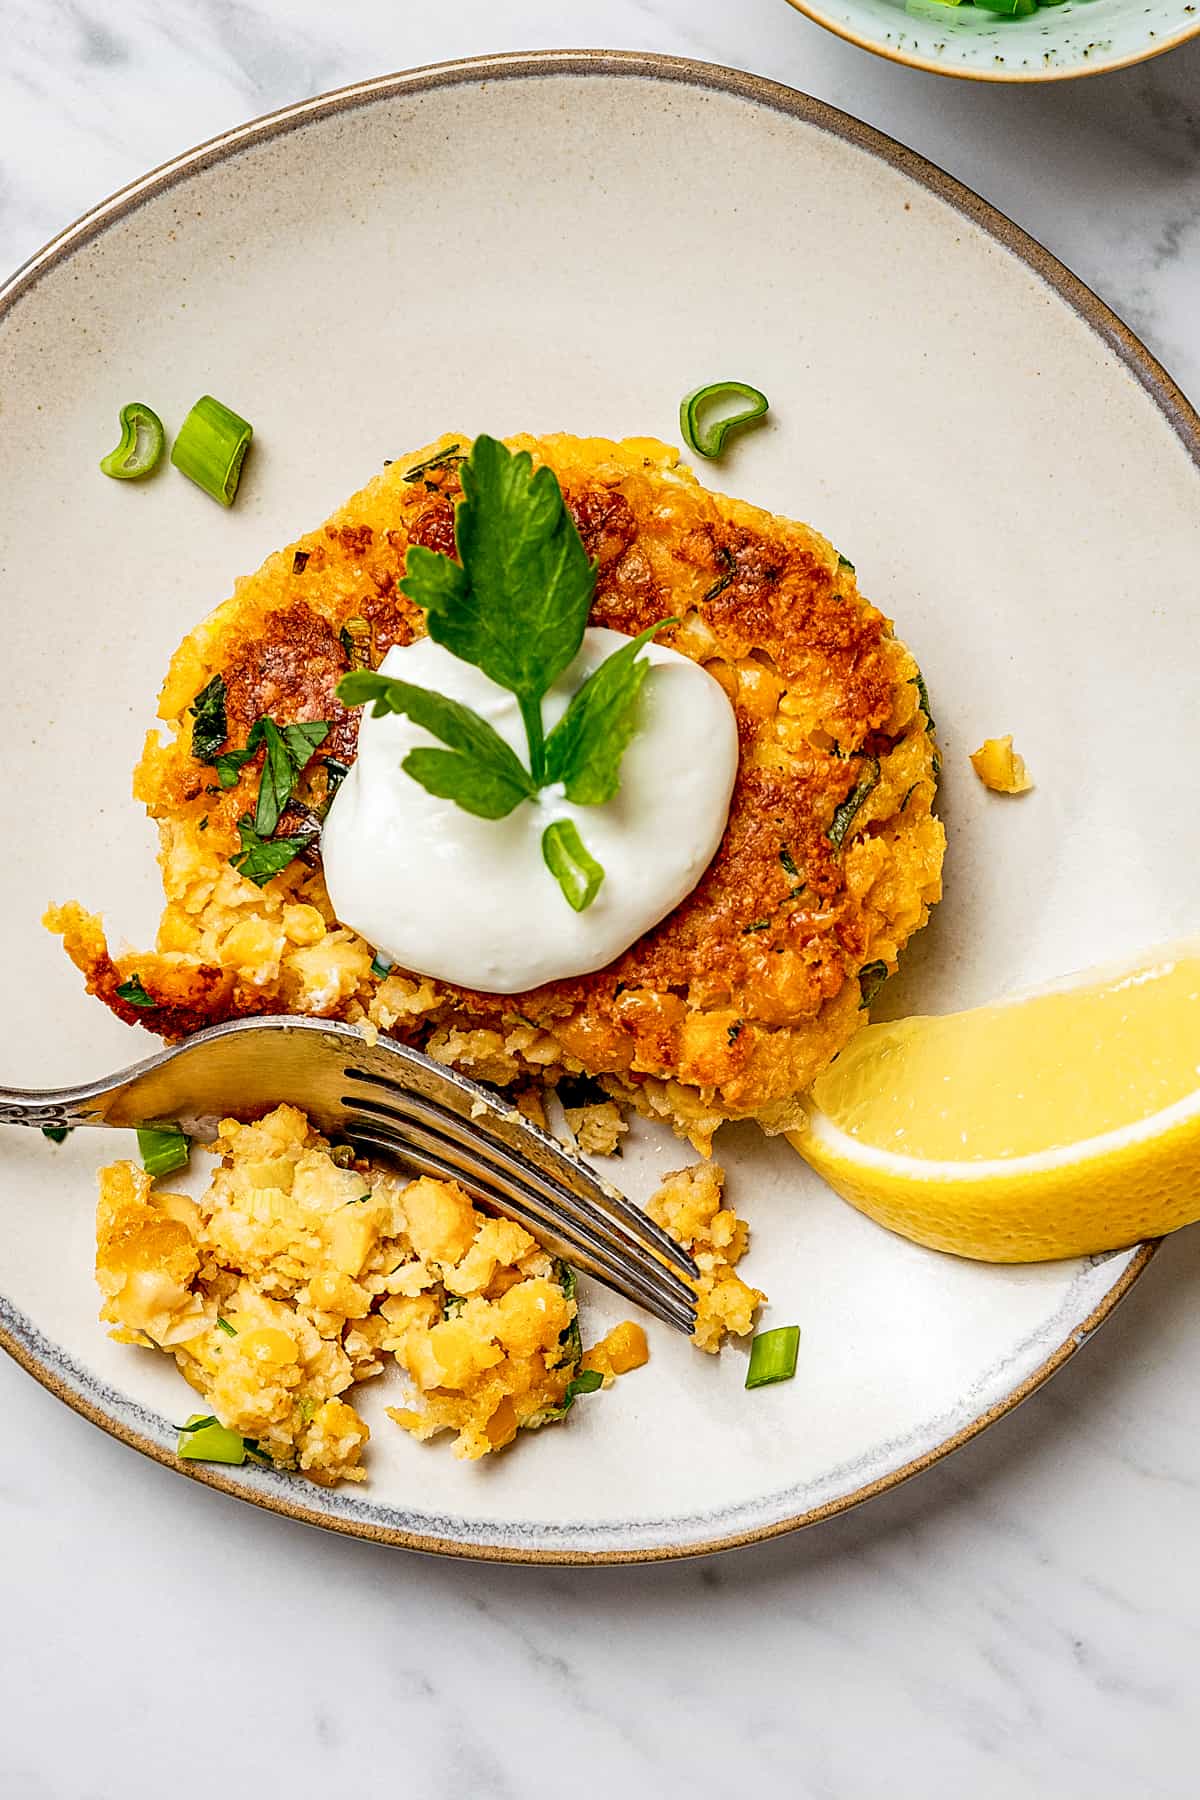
(163, 1149)
(1012, 9)
(211, 448)
(143, 441)
(703, 432)
(773, 1356)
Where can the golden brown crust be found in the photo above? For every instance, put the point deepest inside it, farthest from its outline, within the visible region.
(731, 1004)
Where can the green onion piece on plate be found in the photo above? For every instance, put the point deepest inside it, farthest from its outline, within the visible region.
(143, 441)
(773, 1356)
(566, 856)
(706, 436)
(205, 1439)
(211, 448)
(163, 1149)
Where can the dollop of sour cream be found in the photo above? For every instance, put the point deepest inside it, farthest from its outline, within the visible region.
(471, 901)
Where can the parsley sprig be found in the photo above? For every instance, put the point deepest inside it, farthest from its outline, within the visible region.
(515, 605)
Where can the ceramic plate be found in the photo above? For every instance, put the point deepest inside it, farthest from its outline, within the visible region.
(572, 242)
(1059, 42)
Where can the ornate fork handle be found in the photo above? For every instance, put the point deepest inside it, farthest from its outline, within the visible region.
(56, 1107)
(27, 1109)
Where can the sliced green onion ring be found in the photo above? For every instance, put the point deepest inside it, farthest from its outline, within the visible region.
(566, 856)
(211, 448)
(205, 1439)
(708, 439)
(773, 1356)
(143, 441)
(163, 1149)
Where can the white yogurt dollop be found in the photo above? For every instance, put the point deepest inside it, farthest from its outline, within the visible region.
(471, 901)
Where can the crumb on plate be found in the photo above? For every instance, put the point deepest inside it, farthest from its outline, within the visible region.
(1000, 768)
(689, 1205)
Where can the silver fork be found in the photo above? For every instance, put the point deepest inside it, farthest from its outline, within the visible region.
(387, 1097)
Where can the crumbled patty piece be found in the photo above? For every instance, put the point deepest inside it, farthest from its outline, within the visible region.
(690, 1205)
(294, 1278)
(735, 1002)
(296, 1275)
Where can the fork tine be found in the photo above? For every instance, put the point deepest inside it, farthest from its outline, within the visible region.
(594, 1258)
(482, 1116)
(585, 1240)
(500, 1168)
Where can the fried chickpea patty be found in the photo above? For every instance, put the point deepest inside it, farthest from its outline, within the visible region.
(733, 1004)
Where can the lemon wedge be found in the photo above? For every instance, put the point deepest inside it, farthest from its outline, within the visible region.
(1056, 1123)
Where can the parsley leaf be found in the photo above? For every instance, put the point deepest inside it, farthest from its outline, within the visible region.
(586, 1382)
(478, 771)
(289, 749)
(845, 814)
(918, 681)
(358, 642)
(210, 729)
(230, 763)
(480, 788)
(517, 602)
(134, 994)
(585, 748)
(448, 458)
(570, 1337)
(260, 858)
(871, 978)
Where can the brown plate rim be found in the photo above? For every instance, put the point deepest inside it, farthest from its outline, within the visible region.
(1077, 72)
(645, 65)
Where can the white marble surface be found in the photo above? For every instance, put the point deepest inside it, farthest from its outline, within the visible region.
(1023, 1619)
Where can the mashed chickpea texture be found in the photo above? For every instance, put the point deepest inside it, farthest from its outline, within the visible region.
(293, 1278)
(732, 1005)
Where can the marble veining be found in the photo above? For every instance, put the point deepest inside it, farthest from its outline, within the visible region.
(1022, 1620)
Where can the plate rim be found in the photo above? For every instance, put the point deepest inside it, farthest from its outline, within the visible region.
(537, 64)
(1012, 77)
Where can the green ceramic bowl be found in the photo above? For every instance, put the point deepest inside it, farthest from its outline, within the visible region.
(1055, 43)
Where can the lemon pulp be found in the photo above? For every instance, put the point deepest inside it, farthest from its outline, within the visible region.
(1025, 1075)
(1060, 1123)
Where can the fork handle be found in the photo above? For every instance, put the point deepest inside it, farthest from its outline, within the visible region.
(59, 1108)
